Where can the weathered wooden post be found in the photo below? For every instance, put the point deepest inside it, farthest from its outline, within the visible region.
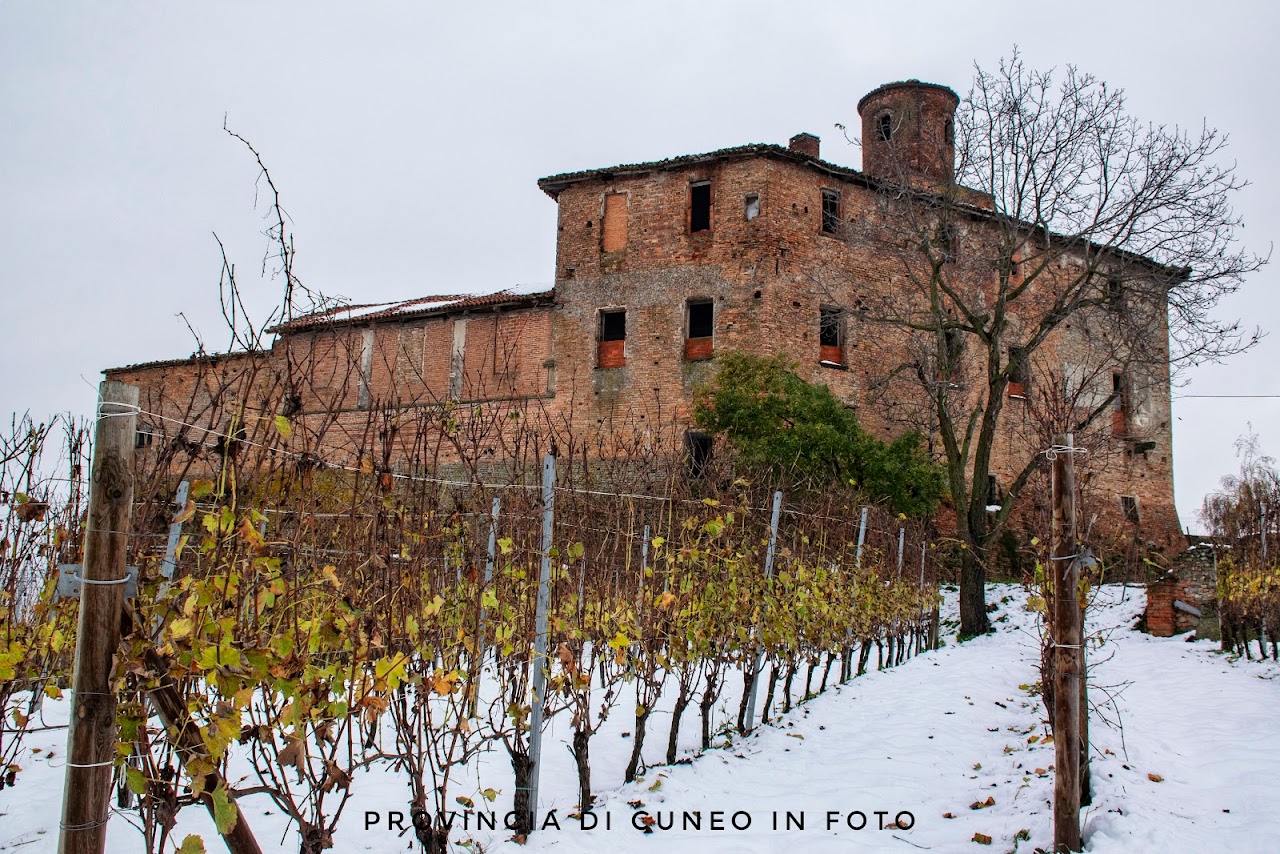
(1067, 643)
(91, 737)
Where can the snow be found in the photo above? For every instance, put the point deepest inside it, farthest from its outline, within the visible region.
(945, 730)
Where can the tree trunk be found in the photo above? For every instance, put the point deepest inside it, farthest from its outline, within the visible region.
(768, 698)
(808, 678)
(973, 597)
(826, 671)
(863, 655)
(522, 768)
(748, 684)
(708, 700)
(433, 839)
(673, 740)
(786, 687)
(637, 745)
(582, 758)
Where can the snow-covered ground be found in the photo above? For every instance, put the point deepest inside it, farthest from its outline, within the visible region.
(1194, 767)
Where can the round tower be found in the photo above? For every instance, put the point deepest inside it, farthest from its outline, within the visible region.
(908, 131)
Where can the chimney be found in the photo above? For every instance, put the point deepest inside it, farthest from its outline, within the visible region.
(805, 143)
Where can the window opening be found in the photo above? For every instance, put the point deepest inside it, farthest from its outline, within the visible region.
(752, 206)
(831, 335)
(953, 350)
(700, 206)
(1119, 405)
(1129, 505)
(885, 124)
(950, 243)
(611, 351)
(1017, 372)
(698, 449)
(993, 492)
(698, 337)
(144, 436)
(830, 211)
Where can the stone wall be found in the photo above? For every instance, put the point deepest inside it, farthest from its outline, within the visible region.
(1191, 580)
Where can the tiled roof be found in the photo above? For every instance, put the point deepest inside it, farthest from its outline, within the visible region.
(211, 358)
(520, 296)
(553, 184)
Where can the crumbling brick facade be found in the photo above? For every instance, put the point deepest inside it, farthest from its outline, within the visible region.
(659, 266)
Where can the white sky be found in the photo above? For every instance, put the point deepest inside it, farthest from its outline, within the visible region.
(407, 138)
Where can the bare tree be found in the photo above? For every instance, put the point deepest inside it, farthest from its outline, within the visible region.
(1069, 228)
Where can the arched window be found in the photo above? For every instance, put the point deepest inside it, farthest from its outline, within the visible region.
(885, 125)
(949, 131)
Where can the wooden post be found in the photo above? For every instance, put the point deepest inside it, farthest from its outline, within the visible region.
(540, 641)
(758, 655)
(91, 737)
(1067, 641)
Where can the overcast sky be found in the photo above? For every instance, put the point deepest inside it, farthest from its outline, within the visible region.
(407, 138)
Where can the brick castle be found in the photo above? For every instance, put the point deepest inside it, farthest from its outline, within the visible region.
(662, 265)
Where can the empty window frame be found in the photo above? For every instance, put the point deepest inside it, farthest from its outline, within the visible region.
(1018, 371)
(831, 335)
(1129, 506)
(611, 350)
(949, 243)
(993, 492)
(613, 235)
(144, 436)
(699, 327)
(698, 449)
(884, 126)
(953, 353)
(1119, 404)
(830, 211)
(751, 206)
(699, 206)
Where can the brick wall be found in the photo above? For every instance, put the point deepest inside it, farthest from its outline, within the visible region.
(769, 265)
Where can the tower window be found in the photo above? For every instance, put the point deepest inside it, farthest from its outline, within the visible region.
(752, 206)
(830, 211)
(699, 327)
(1017, 372)
(700, 207)
(949, 131)
(611, 351)
(1119, 405)
(1129, 506)
(885, 126)
(831, 335)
